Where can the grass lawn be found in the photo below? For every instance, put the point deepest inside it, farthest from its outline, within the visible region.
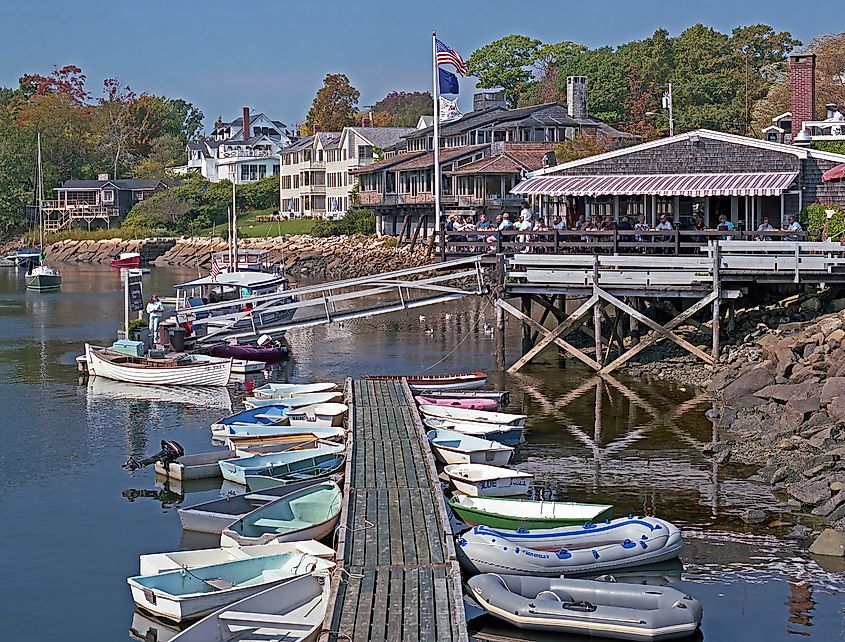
(247, 227)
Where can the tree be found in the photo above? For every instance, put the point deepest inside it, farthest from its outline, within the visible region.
(166, 151)
(67, 81)
(334, 105)
(580, 147)
(402, 109)
(115, 125)
(505, 63)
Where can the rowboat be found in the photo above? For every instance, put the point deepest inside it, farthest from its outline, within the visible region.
(243, 437)
(467, 403)
(181, 595)
(501, 397)
(216, 398)
(293, 612)
(168, 372)
(424, 383)
(322, 415)
(481, 480)
(269, 416)
(473, 416)
(164, 562)
(259, 483)
(307, 399)
(287, 390)
(310, 513)
(298, 463)
(586, 548)
(507, 435)
(452, 447)
(513, 514)
(588, 607)
(215, 515)
(126, 260)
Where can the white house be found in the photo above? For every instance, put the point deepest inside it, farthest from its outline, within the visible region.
(239, 154)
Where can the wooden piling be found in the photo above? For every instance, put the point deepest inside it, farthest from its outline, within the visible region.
(526, 329)
(717, 289)
(499, 333)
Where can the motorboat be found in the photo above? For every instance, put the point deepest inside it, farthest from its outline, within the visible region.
(42, 278)
(131, 260)
(481, 480)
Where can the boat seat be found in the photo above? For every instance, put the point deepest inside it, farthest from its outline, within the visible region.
(219, 584)
(266, 618)
(285, 524)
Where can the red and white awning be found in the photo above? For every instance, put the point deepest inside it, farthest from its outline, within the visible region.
(762, 184)
(835, 174)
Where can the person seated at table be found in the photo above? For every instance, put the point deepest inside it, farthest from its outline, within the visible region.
(483, 223)
(558, 223)
(608, 224)
(765, 226)
(581, 222)
(725, 224)
(792, 226)
(624, 224)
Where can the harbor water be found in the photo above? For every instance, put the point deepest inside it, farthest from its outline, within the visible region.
(75, 521)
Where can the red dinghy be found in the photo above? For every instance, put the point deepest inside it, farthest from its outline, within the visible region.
(459, 402)
(126, 260)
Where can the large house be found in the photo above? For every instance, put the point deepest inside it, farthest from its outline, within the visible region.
(243, 154)
(315, 174)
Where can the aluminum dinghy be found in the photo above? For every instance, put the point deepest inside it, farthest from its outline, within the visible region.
(588, 607)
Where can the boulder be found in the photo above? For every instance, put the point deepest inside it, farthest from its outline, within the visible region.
(833, 387)
(811, 493)
(836, 408)
(804, 404)
(747, 384)
(753, 516)
(799, 531)
(830, 542)
(835, 502)
(836, 336)
(789, 419)
(784, 392)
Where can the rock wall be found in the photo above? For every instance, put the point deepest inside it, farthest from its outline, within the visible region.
(73, 251)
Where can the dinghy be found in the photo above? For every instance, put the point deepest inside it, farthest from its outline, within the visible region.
(173, 561)
(190, 594)
(473, 416)
(293, 612)
(452, 447)
(259, 483)
(588, 548)
(322, 415)
(507, 435)
(501, 397)
(514, 514)
(269, 416)
(206, 465)
(588, 607)
(286, 390)
(310, 513)
(467, 403)
(215, 515)
(183, 371)
(308, 399)
(480, 480)
(299, 464)
(424, 383)
(235, 439)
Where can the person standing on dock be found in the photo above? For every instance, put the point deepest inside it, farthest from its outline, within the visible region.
(155, 308)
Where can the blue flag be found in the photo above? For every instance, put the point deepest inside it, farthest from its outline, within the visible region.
(448, 82)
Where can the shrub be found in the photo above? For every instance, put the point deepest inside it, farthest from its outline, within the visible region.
(816, 214)
(323, 228)
(359, 221)
(261, 195)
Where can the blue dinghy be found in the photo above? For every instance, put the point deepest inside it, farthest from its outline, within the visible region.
(299, 464)
(265, 416)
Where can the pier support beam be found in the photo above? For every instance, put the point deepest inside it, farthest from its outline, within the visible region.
(717, 291)
(499, 332)
(526, 328)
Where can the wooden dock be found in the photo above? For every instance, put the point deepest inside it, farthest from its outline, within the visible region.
(398, 577)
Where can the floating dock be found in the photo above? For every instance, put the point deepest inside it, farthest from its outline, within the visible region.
(398, 575)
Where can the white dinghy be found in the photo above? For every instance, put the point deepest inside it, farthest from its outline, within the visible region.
(473, 416)
(307, 399)
(183, 371)
(287, 390)
(321, 415)
(481, 480)
(293, 612)
(504, 434)
(452, 447)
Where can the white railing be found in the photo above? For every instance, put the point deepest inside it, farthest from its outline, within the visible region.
(247, 153)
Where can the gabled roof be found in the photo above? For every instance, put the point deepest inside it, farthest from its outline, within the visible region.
(786, 114)
(119, 184)
(380, 137)
(508, 162)
(329, 140)
(302, 143)
(799, 152)
(386, 163)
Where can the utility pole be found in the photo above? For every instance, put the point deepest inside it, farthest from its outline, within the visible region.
(667, 104)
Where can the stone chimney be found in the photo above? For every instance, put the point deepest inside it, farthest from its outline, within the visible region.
(802, 87)
(246, 123)
(576, 96)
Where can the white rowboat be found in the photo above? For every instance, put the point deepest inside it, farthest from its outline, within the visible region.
(452, 447)
(473, 416)
(321, 415)
(308, 399)
(163, 372)
(481, 480)
(286, 390)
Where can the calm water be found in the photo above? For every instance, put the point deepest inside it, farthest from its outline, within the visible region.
(75, 521)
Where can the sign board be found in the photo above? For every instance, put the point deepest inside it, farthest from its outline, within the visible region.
(136, 296)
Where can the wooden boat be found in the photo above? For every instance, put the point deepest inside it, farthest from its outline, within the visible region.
(293, 612)
(278, 435)
(310, 513)
(473, 416)
(501, 397)
(126, 260)
(481, 480)
(287, 390)
(424, 383)
(307, 399)
(210, 397)
(467, 403)
(266, 416)
(507, 435)
(586, 548)
(513, 514)
(588, 607)
(297, 464)
(168, 372)
(322, 415)
(43, 278)
(164, 562)
(452, 447)
(182, 595)
(215, 515)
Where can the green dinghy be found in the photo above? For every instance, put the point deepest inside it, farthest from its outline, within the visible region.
(512, 514)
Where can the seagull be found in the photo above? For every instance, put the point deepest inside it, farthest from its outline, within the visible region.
(429, 331)
(448, 316)
(487, 329)
(422, 318)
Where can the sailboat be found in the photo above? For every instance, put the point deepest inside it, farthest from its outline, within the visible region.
(41, 277)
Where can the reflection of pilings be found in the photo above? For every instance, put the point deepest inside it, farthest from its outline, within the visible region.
(597, 434)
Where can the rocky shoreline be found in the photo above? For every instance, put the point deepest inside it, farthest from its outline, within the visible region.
(302, 255)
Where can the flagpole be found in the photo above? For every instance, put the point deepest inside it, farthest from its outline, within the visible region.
(234, 264)
(436, 86)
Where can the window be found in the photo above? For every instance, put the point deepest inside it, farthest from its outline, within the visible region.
(262, 171)
(138, 195)
(276, 169)
(344, 154)
(296, 181)
(365, 151)
(319, 155)
(108, 196)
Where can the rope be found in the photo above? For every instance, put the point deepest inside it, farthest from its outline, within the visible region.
(473, 327)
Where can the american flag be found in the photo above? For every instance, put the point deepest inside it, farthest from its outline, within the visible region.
(215, 269)
(447, 56)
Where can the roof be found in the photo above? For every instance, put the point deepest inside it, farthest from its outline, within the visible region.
(329, 140)
(382, 137)
(735, 139)
(387, 163)
(234, 279)
(426, 159)
(302, 143)
(426, 121)
(509, 162)
(694, 185)
(120, 184)
(239, 122)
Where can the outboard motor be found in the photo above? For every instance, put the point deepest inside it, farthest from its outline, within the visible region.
(170, 452)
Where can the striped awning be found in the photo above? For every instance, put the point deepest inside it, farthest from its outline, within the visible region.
(763, 184)
(835, 174)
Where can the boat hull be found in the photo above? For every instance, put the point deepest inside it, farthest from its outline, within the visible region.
(500, 482)
(423, 383)
(43, 282)
(132, 263)
(457, 402)
(303, 464)
(563, 514)
(250, 353)
(466, 415)
(204, 374)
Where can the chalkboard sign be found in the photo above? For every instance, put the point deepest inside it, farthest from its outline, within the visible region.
(136, 297)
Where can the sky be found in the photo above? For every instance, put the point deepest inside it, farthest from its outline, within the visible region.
(273, 55)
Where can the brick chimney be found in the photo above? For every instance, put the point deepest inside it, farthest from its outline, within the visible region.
(576, 96)
(802, 87)
(246, 123)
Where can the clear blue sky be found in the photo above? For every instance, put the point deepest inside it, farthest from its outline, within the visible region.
(273, 55)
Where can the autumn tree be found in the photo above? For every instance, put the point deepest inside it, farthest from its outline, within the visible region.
(334, 105)
(506, 63)
(402, 109)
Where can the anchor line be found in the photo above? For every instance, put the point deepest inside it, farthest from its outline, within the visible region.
(465, 337)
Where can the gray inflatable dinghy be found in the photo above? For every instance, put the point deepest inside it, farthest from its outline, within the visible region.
(588, 607)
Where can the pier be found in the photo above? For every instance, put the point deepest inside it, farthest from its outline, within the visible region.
(398, 577)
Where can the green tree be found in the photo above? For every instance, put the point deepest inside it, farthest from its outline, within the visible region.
(402, 109)
(166, 151)
(334, 105)
(506, 63)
